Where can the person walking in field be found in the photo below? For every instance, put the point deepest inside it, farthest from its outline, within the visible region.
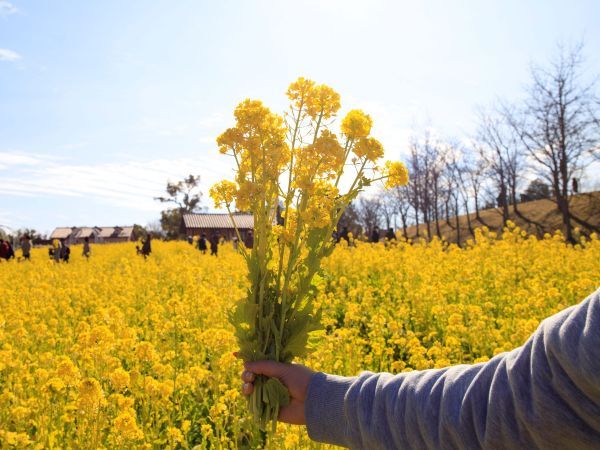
(65, 251)
(390, 235)
(147, 246)
(56, 250)
(344, 234)
(249, 240)
(26, 247)
(214, 244)
(202, 244)
(545, 394)
(375, 235)
(4, 250)
(87, 251)
(11, 251)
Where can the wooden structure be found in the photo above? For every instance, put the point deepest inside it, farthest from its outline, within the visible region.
(216, 224)
(97, 235)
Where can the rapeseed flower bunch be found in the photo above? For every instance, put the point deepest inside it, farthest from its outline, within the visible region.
(288, 175)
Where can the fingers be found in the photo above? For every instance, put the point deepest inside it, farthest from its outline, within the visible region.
(247, 376)
(247, 388)
(268, 368)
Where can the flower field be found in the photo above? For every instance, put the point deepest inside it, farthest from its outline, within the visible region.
(122, 352)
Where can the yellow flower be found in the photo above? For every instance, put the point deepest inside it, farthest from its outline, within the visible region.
(90, 396)
(396, 173)
(299, 91)
(174, 435)
(223, 193)
(230, 140)
(54, 386)
(67, 371)
(369, 148)
(145, 352)
(356, 124)
(119, 379)
(322, 102)
(126, 428)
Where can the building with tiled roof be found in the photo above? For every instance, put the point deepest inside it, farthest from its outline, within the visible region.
(219, 224)
(76, 235)
(62, 233)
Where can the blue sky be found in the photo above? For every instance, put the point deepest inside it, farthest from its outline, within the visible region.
(101, 102)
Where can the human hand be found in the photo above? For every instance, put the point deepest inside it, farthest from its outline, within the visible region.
(295, 377)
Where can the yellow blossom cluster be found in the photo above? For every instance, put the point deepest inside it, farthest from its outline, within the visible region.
(397, 174)
(289, 172)
(122, 352)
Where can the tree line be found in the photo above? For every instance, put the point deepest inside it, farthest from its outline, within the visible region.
(546, 140)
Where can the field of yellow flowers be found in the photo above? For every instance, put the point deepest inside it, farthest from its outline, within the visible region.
(122, 352)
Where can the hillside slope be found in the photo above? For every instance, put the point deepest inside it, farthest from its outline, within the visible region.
(537, 217)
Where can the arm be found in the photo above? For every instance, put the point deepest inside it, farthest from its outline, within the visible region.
(544, 394)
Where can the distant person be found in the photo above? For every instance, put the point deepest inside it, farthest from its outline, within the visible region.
(4, 249)
(11, 251)
(147, 246)
(26, 247)
(65, 251)
(87, 251)
(575, 184)
(214, 244)
(249, 241)
(56, 250)
(202, 244)
(235, 241)
(390, 235)
(343, 234)
(375, 235)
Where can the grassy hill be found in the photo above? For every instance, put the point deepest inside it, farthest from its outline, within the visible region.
(537, 217)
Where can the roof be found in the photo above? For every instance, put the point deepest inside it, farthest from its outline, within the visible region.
(106, 232)
(86, 232)
(125, 232)
(243, 221)
(83, 232)
(61, 233)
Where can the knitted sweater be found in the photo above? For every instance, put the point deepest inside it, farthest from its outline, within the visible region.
(545, 394)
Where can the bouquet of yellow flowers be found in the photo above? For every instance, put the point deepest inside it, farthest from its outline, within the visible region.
(294, 165)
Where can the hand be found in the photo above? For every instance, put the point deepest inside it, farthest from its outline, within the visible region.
(294, 377)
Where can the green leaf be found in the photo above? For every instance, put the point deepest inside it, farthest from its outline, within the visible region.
(275, 393)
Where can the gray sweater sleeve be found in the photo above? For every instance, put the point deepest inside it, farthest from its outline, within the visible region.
(545, 394)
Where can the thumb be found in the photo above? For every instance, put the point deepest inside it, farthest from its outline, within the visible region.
(272, 369)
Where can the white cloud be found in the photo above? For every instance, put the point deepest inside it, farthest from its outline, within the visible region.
(18, 159)
(8, 55)
(131, 184)
(7, 8)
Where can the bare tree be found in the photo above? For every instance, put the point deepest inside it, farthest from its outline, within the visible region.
(499, 147)
(388, 207)
(416, 181)
(403, 206)
(426, 166)
(369, 213)
(350, 219)
(559, 125)
(463, 185)
(453, 201)
(476, 168)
